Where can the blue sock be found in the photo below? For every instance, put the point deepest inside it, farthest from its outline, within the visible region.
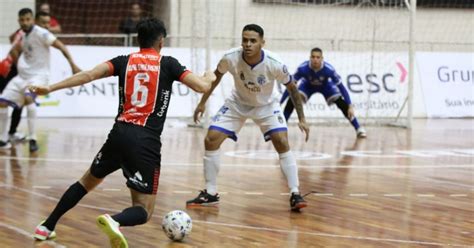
(355, 123)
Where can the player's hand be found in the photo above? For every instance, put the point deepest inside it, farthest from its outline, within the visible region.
(39, 90)
(75, 69)
(305, 129)
(350, 112)
(5, 66)
(198, 112)
(210, 76)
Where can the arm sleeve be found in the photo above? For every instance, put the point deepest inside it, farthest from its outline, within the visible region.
(298, 74)
(282, 75)
(117, 64)
(178, 71)
(344, 93)
(48, 38)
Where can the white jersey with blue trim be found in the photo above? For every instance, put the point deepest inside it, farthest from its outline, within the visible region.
(34, 58)
(254, 84)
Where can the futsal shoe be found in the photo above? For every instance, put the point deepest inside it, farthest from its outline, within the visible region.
(204, 199)
(361, 133)
(297, 202)
(43, 233)
(111, 228)
(16, 137)
(33, 146)
(5, 145)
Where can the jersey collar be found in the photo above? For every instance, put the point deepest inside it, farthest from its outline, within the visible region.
(262, 56)
(149, 50)
(314, 70)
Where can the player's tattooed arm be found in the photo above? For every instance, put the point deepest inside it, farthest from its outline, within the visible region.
(296, 98)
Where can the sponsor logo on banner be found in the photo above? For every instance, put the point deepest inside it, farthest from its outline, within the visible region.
(447, 80)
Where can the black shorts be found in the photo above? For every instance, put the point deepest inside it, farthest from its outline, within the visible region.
(134, 149)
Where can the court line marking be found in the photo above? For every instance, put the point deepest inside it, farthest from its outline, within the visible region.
(182, 192)
(425, 195)
(392, 195)
(253, 193)
(106, 189)
(273, 193)
(41, 187)
(245, 226)
(359, 195)
(458, 195)
(323, 194)
(248, 165)
(17, 229)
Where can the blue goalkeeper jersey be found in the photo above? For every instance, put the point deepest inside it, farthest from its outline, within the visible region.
(326, 75)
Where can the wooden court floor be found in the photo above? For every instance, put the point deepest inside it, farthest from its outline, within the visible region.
(397, 188)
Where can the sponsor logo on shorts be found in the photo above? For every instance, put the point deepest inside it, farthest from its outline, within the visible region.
(137, 180)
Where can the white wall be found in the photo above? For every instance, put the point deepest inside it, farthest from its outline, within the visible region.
(9, 16)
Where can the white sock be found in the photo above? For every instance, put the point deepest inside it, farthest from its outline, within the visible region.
(31, 113)
(3, 124)
(289, 168)
(211, 169)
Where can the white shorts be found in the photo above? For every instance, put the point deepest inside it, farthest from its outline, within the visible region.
(232, 116)
(16, 90)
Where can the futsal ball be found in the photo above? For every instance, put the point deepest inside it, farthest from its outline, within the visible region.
(177, 225)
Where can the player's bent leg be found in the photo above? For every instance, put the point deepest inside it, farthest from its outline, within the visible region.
(209, 197)
(13, 135)
(344, 107)
(138, 214)
(4, 144)
(70, 198)
(31, 114)
(214, 139)
(289, 168)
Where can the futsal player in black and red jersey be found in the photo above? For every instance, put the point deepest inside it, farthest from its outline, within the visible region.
(133, 144)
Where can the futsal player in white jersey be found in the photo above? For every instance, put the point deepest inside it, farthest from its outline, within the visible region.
(254, 71)
(33, 68)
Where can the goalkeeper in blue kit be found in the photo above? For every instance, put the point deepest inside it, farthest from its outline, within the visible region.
(318, 76)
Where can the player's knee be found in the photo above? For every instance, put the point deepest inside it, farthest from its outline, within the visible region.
(342, 105)
(89, 181)
(213, 141)
(281, 143)
(3, 105)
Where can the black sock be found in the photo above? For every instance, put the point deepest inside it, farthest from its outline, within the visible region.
(16, 117)
(132, 216)
(69, 199)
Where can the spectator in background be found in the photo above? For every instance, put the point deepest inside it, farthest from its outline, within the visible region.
(128, 25)
(54, 26)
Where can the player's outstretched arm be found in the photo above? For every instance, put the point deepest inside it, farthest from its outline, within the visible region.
(59, 45)
(84, 77)
(201, 84)
(201, 107)
(296, 98)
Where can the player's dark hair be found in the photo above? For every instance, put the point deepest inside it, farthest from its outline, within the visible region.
(40, 14)
(255, 28)
(25, 11)
(149, 31)
(316, 49)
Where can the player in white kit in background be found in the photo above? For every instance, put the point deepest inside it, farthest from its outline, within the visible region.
(33, 68)
(254, 97)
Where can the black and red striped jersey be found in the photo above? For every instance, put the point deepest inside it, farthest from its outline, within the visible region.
(145, 84)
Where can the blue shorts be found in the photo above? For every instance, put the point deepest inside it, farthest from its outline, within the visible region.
(330, 91)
